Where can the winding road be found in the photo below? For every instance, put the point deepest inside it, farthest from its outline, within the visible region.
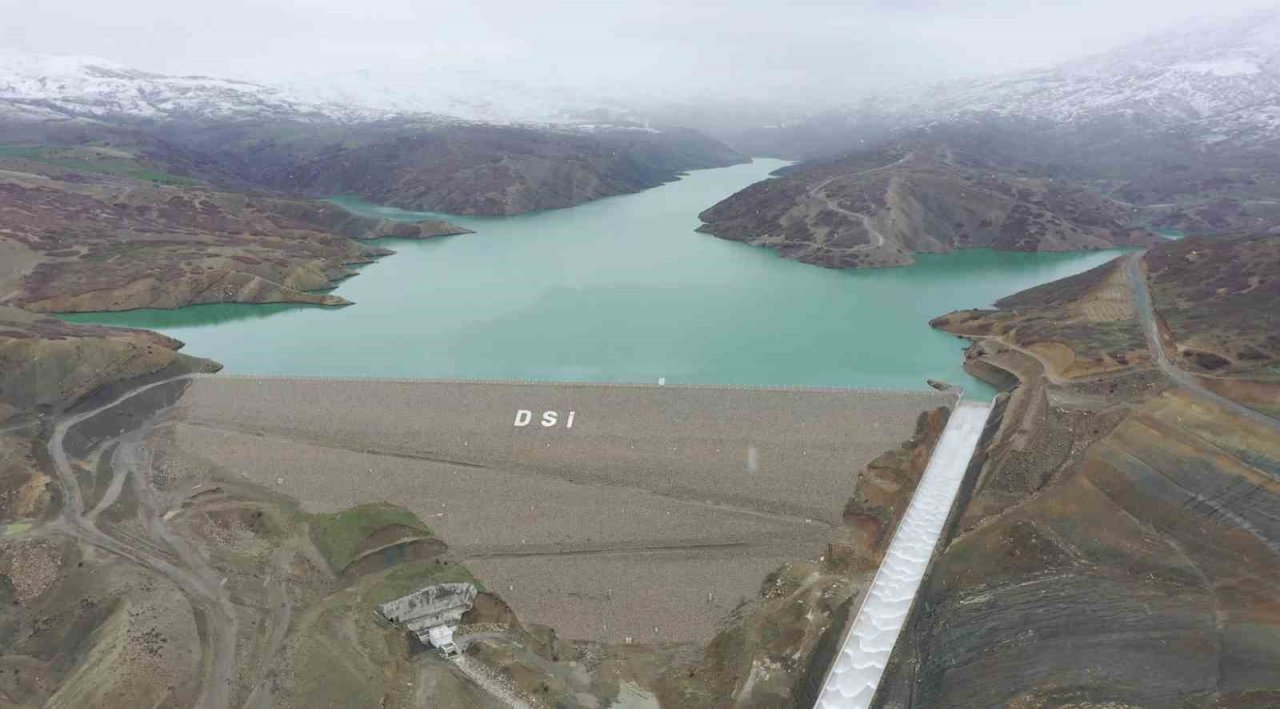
(1146, 317)
(200, 582)
(819, 191)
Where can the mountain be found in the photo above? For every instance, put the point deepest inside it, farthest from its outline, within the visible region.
(96, 229)
(464, 93)
(462, 168)
(1221, 81)
(239, 135)
(49, 86)
(39, 86)
(1178, 131)
(1213, 82)
(878, 208)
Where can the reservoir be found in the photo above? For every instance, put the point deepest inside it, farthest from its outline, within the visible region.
(617, 290)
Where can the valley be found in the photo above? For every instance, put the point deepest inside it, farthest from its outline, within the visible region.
(618, 290)
(968, 394)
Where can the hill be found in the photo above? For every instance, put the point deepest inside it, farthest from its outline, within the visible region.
(1119, 545)
(241, 135)
(99, 228)
(877, 208)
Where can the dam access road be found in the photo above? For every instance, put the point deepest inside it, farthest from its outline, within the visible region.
(650, 517)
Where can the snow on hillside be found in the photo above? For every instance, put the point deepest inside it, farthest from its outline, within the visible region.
(467, 94)
(34, 86)
(46, 86)
(1223, 77)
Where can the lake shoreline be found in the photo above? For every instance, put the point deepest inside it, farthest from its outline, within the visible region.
(620, 290)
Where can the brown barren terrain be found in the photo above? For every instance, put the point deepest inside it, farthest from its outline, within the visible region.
(876, 209)
(1119, 546)
(86, 230)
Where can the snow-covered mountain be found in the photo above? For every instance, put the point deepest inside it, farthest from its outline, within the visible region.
(39, 86)
(468, 94)
(46, 86)
(1223, 78)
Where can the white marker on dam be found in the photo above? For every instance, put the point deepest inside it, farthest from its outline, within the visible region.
(856, 671)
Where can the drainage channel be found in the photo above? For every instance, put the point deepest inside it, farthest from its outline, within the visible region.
(855, 674)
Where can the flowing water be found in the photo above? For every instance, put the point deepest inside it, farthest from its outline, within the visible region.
(617, 290)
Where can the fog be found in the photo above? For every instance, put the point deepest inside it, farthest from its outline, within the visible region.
(783, 53)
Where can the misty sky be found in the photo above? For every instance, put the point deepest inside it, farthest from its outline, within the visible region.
(680, 49)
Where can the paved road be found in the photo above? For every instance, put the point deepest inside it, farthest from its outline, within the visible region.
(856, 671)
(1146, 317)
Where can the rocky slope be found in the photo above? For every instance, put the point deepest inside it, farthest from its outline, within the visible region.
(40, 86)
(1119, 545)
(245, 136)
(423, 166)
(1220, 80)
(47, 364)
(1219, 300)
(1182, 127)
(878, 208)
(98, 229)
(1212, 82)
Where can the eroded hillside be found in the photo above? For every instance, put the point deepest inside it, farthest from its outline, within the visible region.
(1119, 546)
(456, 169)
(878, 209)
(97, 228)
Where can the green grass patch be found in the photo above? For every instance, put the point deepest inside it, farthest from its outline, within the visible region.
(14, 529)
(339, 535)
(76, 161)
(21, 151)
(117, 250)
(409, 577)
(1116, 336)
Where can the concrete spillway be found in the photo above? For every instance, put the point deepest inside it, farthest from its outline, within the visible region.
(851, 683)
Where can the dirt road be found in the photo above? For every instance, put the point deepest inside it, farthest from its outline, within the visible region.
(189, 571)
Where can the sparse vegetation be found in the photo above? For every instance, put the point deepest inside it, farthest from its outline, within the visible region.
(94, 161)
(1220, 298)
(339, 535)
(409, 577)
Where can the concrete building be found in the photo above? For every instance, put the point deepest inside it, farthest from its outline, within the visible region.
(432, 613)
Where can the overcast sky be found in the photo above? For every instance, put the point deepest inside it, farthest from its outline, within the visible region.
(669, 48)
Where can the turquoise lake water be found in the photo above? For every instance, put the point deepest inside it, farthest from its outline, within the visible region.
(618, 290)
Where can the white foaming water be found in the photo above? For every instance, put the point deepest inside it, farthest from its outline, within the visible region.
(857, 668)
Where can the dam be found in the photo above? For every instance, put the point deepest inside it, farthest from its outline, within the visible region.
(661, 507)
